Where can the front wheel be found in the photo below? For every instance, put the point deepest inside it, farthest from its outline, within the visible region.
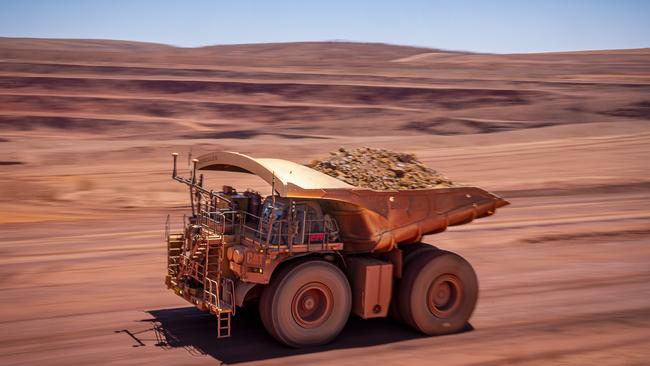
(438, 293)
(307, 304)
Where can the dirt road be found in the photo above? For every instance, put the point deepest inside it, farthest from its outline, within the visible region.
(564, 280)
(564, 273)
(87, 128)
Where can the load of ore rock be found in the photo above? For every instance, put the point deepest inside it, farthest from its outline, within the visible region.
(380, 169)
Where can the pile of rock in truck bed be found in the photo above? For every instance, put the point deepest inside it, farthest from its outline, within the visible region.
(380, 169)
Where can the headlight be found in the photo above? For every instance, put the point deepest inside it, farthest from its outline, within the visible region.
(237, 255)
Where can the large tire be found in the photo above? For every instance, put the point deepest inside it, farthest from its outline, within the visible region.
(438, 293)
(412, 251)
(306, 304)
(409, 252)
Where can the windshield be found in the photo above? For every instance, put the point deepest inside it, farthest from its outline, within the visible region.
(279, 213)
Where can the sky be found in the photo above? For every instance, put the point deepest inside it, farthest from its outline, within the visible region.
(494, 26)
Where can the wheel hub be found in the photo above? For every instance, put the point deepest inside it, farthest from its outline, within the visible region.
(312, 305)
(308, 303)
(444, 295)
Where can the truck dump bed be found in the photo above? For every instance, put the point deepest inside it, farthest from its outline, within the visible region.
(377, 221)
(369, 221)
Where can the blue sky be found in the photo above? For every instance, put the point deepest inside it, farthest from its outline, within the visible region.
(499, 26)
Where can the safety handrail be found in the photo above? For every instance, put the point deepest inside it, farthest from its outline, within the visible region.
(256, 228)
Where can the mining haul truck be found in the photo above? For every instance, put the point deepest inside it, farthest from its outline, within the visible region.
(317, 249)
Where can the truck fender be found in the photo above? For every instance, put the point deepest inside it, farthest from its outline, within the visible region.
(241, 289)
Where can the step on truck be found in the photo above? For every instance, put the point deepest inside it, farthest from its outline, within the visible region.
(318, 249)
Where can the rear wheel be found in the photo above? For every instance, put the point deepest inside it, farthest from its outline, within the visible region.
(438, 293)
(412, 251)
(307, 304)
(409, 252)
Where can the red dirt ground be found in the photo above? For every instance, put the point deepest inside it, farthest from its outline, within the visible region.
(87, 128)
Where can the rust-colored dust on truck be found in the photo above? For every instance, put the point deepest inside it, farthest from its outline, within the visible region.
(318, 249)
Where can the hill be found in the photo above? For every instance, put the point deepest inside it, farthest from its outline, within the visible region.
(308, 89)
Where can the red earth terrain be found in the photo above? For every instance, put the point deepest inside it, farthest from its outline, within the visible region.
(86, 129)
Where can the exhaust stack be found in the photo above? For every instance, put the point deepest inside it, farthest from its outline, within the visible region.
(175, 155)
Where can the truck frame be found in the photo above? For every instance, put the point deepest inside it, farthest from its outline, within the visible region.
(318, 249)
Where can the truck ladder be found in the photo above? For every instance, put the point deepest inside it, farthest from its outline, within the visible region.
(174, 247)
(214, 253)
(218, 292)
(193, 259)
(224, 310)
(223, 324)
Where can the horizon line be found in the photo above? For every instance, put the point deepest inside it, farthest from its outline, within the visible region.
(323, 41)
